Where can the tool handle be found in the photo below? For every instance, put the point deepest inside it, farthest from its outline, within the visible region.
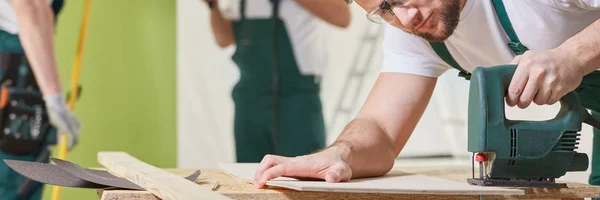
(489, 86)
(570, 107)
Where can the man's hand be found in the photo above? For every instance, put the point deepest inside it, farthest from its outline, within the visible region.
(63, 119)
(369, 144)
(543, 77)
(328, 165)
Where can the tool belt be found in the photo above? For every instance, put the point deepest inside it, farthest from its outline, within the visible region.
(24, 123)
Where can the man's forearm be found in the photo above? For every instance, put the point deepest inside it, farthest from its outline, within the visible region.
(221, 27)
(36, 29)
(366, 147)
(371, 142)
(335, 12)
(583, 47)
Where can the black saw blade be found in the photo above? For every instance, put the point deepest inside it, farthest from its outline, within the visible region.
(95, 176)
(104, 177)
(50, 174)
(68, 174)
(194, 176)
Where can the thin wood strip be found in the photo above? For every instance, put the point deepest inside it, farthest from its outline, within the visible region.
(159, 182)
(395, 182)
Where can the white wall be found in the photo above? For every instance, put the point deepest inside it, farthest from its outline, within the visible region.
(206, 76)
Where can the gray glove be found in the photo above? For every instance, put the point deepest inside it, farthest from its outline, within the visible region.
(63, 118)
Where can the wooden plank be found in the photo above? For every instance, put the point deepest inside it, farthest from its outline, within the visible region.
(239, 189)
(395, 182)
(159, 182)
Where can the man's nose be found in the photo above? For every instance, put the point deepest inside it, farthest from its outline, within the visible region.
(407, 16)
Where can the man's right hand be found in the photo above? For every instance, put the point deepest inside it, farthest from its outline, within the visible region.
(330, 165)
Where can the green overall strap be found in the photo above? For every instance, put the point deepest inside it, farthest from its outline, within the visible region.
(243, 10)
(442, 51)
(514, 43)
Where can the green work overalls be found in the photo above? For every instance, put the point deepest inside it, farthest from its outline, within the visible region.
(588, 90)
(277, 109)
(10, 181)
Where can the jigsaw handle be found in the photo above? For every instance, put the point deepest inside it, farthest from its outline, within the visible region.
(570, 108)
(489, 86)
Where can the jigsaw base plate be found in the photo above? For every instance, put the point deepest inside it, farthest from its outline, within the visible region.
(515, 183)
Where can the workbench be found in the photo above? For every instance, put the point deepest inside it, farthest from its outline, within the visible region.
(239, 189)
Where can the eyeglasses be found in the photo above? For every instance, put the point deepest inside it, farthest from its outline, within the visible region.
(384, 12)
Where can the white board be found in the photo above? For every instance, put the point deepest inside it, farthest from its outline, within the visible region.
(392, 183)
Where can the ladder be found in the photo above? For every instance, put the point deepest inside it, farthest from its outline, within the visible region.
(347, 101)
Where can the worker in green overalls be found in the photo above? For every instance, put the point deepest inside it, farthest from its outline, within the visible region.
(554, 44)
(281, 54)
(32, 106)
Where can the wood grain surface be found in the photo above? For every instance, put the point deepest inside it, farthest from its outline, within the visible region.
(159, 182)
(240, 189)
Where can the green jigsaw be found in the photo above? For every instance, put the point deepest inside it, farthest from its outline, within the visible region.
(519, 153)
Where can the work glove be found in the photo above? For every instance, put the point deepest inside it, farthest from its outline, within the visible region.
(63, 119)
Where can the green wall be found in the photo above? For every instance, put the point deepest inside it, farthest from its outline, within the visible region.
(128, 79)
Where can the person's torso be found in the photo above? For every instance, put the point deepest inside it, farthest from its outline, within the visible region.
(480, 40)
(304, 30)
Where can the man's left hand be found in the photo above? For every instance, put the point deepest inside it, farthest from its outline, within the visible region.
(543, 77)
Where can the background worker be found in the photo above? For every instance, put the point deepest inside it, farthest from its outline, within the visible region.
(280, 52)
(554, 44)
(28, 67)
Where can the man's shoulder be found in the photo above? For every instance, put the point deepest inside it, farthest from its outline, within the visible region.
(583, 4)
(570, 5)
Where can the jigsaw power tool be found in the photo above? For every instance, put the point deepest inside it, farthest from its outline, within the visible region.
(520, 153)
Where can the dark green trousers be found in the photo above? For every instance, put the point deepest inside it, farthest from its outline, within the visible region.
(277, 109)
(11, 180)
(589, 94)
(301, 125)
(595, 175)
(595, 172)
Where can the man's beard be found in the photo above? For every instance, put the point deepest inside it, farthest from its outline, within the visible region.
(449, 17)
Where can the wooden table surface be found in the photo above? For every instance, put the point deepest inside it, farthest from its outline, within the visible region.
(238, 189)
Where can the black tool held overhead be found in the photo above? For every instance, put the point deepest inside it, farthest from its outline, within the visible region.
(519, 153)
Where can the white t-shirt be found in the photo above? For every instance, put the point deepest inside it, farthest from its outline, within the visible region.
(304, 30)
(479, 39)
(8, 19)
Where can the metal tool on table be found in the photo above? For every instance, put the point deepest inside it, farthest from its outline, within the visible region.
(67, 174)
(520, 153)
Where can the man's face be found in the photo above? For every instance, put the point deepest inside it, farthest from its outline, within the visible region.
(433, 20)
